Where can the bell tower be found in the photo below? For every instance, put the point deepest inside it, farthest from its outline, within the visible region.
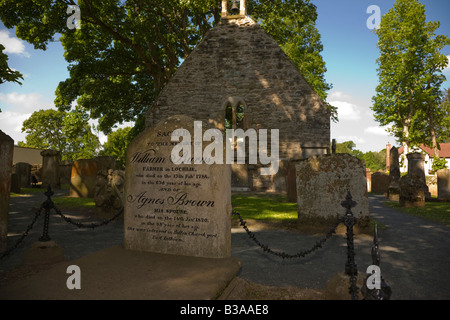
(235, 12)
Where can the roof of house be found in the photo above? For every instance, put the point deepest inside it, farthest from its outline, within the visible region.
(443, 153)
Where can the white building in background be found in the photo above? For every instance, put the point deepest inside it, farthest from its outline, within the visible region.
(429, 154)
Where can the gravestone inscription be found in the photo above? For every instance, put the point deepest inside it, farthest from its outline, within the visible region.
(181, 209)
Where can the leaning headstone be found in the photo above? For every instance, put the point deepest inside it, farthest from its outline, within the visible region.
(180, 209)
(323, 182)
(394, 173)
(443, 184)
(50, 169)
(416, 167)
(412, 193)
(6, 158)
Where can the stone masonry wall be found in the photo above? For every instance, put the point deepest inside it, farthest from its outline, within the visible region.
(237, 58)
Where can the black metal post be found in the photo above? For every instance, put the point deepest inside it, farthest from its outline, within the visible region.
(47, 205)
(350, 266)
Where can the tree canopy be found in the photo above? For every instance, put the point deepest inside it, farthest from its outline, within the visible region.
(6, 73)
(374, 160)
(410, 76)
(116, 145)
(126, 51)
(67, 132)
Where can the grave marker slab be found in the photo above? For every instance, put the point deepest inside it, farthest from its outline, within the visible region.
(180, 209)
(323, 182)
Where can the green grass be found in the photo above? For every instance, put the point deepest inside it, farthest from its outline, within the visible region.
(25, 191)
(60, 202)
(434, 211)
(264, 207)
(72, 202)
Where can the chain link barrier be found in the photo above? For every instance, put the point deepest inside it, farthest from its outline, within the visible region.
(348, 220)
(47, 205)
(284, 255)
(7, 252)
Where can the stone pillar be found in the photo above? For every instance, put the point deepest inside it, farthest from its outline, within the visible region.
(415, 167)
(388, 157)
(394, 174)
(50, 169)
(369, 180)
(6, 158)
(443, 184)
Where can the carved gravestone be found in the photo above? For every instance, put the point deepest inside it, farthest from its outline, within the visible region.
(323, 182)
(394, 173)
(6, 158)
(443, 184)
(109, 191)
(181, 209)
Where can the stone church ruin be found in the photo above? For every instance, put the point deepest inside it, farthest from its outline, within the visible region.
(239, 77)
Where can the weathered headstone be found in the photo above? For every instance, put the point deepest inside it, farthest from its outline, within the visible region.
(416, 167)
(83, 178)
(181, 209)
(50, 169)
(394, 173)
(323, 182)
(109, 190)
(380, 182)
(65, 172)
(443, 184)
(412, 193)
(23, 171)
(6, 158)
(15, 184)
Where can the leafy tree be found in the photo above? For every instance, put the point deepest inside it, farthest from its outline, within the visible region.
(67, 132)
(126, 51)
(6, 73)
(117, 144)
(345, 147)
(410, 74)
(374, 160)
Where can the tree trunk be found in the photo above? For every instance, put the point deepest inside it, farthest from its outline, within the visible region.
(434, 142)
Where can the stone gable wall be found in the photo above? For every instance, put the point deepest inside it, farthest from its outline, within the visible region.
(237, 58)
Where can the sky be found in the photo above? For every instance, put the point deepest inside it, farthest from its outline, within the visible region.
(349, 51)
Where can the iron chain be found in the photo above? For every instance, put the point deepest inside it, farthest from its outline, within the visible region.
(19, 241)
(300, 254)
